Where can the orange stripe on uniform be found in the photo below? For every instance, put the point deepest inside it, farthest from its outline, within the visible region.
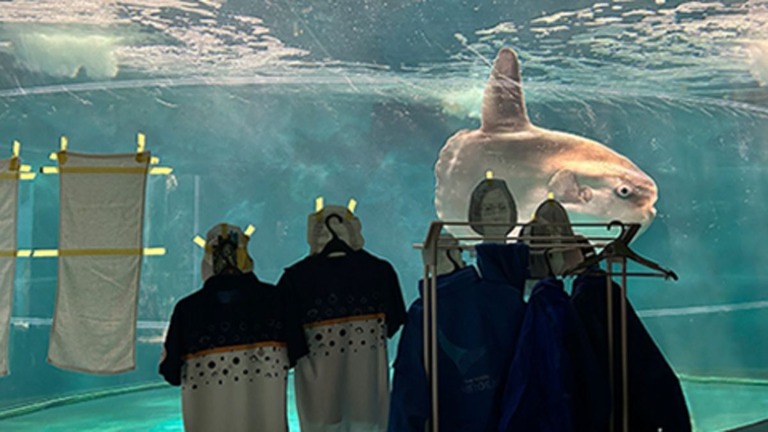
(345, 320)
(235, 348)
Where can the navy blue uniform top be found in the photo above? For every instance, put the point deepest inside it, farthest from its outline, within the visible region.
(229, 311)
(356, 284)
(656, 400)
(478, 322)
(348, 306)
(554, 384)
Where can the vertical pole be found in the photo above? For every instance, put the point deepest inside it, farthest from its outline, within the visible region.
(433, 350)
(425, 331)
(609, 327)
(425, 320)
(196, 231)
(624, 353)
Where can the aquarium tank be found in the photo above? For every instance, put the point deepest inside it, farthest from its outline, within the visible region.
(254, 109)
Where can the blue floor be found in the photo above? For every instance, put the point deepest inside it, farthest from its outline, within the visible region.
(715, 408)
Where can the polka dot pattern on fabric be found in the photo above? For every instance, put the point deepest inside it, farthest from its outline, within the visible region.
(346, 337)
(236, 367)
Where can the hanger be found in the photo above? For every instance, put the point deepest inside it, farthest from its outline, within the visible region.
(618, 249)
(336, 244)
(456, 265)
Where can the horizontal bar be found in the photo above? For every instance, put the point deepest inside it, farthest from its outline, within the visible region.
(531, 246)
(522, 224)
(154, 160)
(36, 321)
(52, 253)
(107, 170)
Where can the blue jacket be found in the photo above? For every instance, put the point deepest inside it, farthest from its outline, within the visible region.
(656, 400)
(553, 383)
(478, 322)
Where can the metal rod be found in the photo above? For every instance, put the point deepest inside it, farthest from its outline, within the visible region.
(609, 327)
(507, 224)
(425, 321)
(427, 334)
(433, 342)
(643, 274)
(624, 358)
(563, 245)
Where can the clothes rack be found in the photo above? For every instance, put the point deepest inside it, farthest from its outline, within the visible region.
(618, 245)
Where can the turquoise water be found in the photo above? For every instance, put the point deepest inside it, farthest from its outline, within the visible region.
(261, 107)
(716, 407)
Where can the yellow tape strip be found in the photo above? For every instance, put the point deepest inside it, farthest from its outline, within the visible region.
(160, 170)
(199, 241)
(25, 253)
(53, 156)
(318, 204)
(141, 142)
(63, 143)
(107, 170)
(489, 174)
(352, 205)
(250, 229)
(27, 176)
(102, 170)
(16, 148)
(154, 160)
(50, 253)
(25, 168)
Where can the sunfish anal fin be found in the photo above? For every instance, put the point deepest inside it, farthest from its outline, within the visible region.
(503, 102)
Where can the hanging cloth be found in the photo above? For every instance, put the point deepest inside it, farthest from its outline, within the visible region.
(348, 306)
(229, 346)
(9, 186)
(554, 384)
(656, 399)
(478, 319)
(100, 250)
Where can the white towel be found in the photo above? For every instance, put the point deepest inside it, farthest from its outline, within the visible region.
(100, 243)
(9, 187)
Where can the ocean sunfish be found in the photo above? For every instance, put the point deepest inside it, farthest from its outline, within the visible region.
(593, 182)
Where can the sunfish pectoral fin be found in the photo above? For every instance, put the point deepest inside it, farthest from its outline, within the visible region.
(503, 102)
(566, 188)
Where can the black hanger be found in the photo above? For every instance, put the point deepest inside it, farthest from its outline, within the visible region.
(456, 265)
(618, 248)
(336, 244)
(229, 268)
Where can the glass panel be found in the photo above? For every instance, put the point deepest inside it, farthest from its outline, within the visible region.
(261, 107)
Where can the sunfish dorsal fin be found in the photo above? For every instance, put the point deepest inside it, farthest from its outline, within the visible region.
(503, 103)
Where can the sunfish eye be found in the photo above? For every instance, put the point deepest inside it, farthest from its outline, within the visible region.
(624, 191)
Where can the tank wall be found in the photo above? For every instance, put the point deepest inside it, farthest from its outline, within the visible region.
(247, 155)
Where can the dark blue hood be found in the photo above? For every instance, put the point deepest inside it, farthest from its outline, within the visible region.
(503, 263)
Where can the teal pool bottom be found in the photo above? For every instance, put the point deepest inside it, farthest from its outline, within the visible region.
(714, 408)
